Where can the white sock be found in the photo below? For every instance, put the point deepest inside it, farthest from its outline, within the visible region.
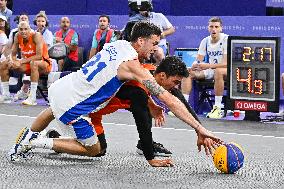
(218, 101)
(5, 88)
(33, 90)
(186, 96)
(45, 143)
(29, 135)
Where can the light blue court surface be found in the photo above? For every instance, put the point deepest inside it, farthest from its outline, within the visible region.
(123, 168)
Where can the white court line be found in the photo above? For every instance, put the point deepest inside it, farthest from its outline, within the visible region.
(188, 130)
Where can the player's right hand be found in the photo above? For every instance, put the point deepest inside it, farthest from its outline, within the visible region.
(161, 162)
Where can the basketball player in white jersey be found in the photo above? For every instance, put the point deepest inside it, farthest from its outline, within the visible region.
(212, 49)
(89, 89)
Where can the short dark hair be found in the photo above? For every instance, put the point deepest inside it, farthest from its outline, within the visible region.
(172, 66)
(145, 30)
(104, 15)
(216, 19)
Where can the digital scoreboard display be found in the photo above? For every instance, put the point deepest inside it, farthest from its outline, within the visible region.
(253, 73)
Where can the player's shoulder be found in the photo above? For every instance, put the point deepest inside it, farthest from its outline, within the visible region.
(224, 36)
(122, 46)
(205, 40)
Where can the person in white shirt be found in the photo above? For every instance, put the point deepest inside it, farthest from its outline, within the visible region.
(157, 19)
(3, 36)
(212, 49)
(41, 23)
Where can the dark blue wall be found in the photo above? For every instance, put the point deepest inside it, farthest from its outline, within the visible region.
(120, 7)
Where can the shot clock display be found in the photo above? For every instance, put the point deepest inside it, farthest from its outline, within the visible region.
(253, 71)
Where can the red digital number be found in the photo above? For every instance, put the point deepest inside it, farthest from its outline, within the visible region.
(257, 84)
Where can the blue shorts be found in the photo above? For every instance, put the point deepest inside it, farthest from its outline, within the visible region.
(82, 130)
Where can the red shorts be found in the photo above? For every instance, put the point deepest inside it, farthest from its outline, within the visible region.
(113, 105)
(48, 69)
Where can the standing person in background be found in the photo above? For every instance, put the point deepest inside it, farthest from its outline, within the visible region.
(145, 13)
(102, 35)
(70, 38)
(214, 49)
(4, 11)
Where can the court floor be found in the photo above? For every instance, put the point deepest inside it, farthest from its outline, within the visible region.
(123, 168)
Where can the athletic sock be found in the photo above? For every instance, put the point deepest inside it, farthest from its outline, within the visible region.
(45, 143)
(218, 101)
(5, 88)
(33, 90)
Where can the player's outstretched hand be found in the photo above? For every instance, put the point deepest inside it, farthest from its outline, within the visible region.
(206, 139)
(161, 163)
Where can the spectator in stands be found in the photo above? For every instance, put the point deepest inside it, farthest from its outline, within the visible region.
(4, 11)
(102, 35)
(35, 61)
(213, 49)
(22, 17)
(41, 23)
(4, 27)
(159, 20)
(70, 38)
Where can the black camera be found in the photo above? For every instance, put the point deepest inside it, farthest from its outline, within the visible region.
(140, 5)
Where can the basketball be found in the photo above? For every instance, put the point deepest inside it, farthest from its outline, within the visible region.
(228, 158)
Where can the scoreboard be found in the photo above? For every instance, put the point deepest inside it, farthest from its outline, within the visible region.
(253, 73)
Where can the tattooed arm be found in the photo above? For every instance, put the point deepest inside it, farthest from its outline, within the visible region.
(132, 70)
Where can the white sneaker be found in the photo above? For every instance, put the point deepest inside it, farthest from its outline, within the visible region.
(216, 113)
(29, 101)
(5, 99)
(21, 95)
(21, 150)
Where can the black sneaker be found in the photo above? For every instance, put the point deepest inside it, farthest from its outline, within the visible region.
(52, 134)
(159, 149)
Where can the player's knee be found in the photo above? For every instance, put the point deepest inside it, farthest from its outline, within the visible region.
(4, 65)
(34, 65)
(94, 150)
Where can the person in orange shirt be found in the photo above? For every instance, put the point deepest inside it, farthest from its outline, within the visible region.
(35, 61)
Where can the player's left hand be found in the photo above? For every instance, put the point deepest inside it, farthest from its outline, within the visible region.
(208, 142)
(158, 114)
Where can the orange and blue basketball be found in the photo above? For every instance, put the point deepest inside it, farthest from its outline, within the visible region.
(228, 158)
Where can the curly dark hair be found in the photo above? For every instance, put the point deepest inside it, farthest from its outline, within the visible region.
(145, 30)
(172, 66)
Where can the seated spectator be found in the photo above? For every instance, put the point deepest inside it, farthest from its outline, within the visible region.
(41, 22)
(70, 38)
(102, 35)
(4, 11)
(213, 48)
(23, 93)
(35, 61)
(4, 28)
